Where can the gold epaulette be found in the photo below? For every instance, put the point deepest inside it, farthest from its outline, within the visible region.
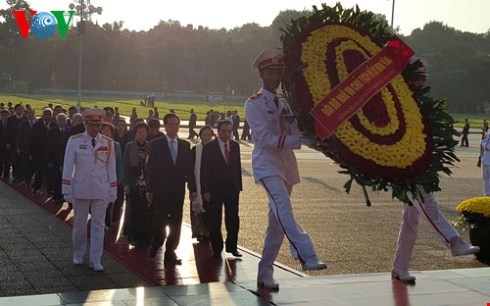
(255, 96)
(76, 135)
(107, 138)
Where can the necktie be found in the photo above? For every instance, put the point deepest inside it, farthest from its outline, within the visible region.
(93, 142)
(173, 151)
(276, 100)
(227, 153)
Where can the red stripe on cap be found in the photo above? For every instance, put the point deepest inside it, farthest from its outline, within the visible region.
(269, 62)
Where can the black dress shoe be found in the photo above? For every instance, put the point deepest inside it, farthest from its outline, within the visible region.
(152, 252)
(172, 258)
(236, 254)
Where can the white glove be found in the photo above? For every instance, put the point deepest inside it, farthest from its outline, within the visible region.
(309, 141)
(197, 206)
(201, 207)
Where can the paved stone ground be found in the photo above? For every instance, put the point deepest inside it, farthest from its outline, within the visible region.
(349, 236)
(35, 253)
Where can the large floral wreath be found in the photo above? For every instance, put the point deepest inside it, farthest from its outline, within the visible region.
(397, 140)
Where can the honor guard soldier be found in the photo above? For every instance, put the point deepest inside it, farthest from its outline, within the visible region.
(90, 183)
(275, 168)
(425, 204)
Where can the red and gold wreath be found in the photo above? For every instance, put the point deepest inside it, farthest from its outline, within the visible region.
(388, 142)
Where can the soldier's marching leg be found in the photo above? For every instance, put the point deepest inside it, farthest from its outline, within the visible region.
(79, 234)
(98, 211)
(281, 206)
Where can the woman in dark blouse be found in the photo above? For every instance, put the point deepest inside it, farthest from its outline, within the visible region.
(135, 156)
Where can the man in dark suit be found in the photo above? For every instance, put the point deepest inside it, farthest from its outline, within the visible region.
(39, 134)
(236, 125)
(4, 153)
(13, 124)
(192, 125)
(77, 125)
(55, 155)
(221, 183)
(23, 147)
(169, 168)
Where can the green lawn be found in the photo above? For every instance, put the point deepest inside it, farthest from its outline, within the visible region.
(476, 121)
(181, 106)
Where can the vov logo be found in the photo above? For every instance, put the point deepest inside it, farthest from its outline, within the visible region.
(43, 24)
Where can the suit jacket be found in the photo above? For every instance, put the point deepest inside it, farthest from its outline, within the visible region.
(56, 145)
(39, 135)
(166, 180)
(193, 120)
(218, 177)
(13, 128)
(23, 142)
(236, 122)
(77, 129)
(3, 138)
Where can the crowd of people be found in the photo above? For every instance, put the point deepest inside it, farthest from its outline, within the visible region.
(69, 153)
(96, 162)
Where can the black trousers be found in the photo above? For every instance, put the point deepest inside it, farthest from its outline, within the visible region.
(53, 181)
(213, 216)
(167, 217)
(246, 133)
(192, 133)
(138, 226)
(40, 167)
(236, 136)
(5, 164)
(27, 167)
(16, 161)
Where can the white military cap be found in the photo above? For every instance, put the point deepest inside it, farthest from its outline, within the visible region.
(93, 115)
(421, 70)
(270, 58)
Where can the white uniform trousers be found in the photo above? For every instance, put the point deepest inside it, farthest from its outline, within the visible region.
(79, 234)
(429, 210)
(486, 179)
(281, 222)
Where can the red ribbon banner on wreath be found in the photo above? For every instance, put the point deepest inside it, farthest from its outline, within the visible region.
(362, 84)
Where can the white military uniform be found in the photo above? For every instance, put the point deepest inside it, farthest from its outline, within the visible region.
(485, 164)
(429, 210)
(425, 205)
(89, 180)
(275, 167)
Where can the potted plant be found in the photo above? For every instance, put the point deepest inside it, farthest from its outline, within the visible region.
(475, 215)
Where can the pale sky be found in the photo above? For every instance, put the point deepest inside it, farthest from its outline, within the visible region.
(465, 15)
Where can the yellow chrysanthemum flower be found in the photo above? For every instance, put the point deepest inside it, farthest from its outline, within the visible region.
(479, 205)
(401, 154)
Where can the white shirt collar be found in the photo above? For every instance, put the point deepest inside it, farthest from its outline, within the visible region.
(222, 143)
(170, 139)
(90, 137)
(269, 95)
